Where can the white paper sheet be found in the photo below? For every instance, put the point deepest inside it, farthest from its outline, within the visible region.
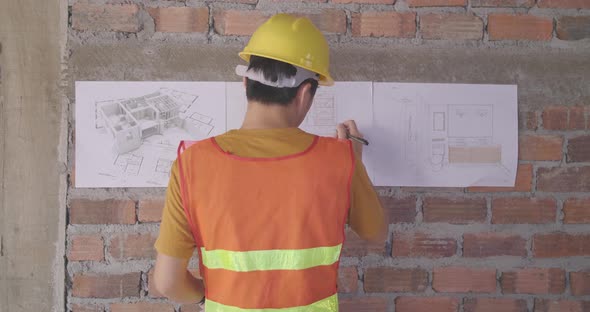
(344, 100)
(444, 134)
(420, 134)
(127, 133)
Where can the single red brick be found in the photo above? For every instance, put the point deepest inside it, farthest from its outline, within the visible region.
(385, 279)
(450, 26)
(559, 179)
(106, 286)
(503, 3)
(564, 4)
(111, 211)
(105, 17)
(86, 308)
(454, 210)
(555, 117)
(399, 210)
(540, 147)
(150, 210)
(578, 149)
(245, 22)
(549, 305)
(356, 247)
(426, 304)
(559, 245)
(347, 280)
(481, 245)
(533, 281)
(329, 21)
(86, 248)
(365, 1)
(463, 280)
(519, 27)
(238, 22)
(363, 304)
(436, 3)
(181, 19)
(133, 246)
(142, 307)
(523, 183)
(422, 245)
(580, 283)
(384, 24)
(576, 211)
(494, 305)
(577, 120)
(523, 210)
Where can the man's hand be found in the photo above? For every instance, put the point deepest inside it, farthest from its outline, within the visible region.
(349, 127)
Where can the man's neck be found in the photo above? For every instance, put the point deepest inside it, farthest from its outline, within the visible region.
(263, 116)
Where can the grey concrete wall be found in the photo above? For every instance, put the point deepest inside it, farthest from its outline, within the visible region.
(32, 155)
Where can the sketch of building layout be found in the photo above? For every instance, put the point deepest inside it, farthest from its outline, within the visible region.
(447, 135)
(420, 134)
(127, 133)
(132, 120)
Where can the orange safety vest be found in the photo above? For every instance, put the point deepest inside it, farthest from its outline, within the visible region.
(269, 230)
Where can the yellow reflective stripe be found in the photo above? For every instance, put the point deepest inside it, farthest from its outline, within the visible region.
(278, 259)
(329, 304)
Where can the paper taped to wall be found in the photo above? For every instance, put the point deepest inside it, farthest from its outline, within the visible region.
(420, 134)
(445, 134)
(127, 133)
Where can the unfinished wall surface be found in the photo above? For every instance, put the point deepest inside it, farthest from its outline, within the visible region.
(525, 248)
(33, 171)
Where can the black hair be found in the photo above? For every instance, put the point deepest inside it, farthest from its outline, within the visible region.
(273, 70)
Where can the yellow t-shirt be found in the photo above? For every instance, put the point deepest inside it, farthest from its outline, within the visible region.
(175, 238)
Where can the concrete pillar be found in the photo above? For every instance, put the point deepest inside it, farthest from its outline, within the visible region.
(33, 139)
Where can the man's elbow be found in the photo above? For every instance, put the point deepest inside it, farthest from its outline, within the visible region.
(165, 286)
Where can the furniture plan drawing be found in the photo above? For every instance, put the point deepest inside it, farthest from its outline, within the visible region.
(135, 128)
(420, 134)
(447, 135)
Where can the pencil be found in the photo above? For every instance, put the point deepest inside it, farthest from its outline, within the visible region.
(360, 140)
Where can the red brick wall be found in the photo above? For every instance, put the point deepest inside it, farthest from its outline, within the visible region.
(477, 249)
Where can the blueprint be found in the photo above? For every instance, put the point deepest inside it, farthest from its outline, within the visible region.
(445, 134)
(127, 133)
(438, 135)
(331, 105)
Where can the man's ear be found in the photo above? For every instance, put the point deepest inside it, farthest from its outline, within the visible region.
(304, 96)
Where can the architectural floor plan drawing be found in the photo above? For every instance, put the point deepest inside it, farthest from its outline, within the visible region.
(127, 132)
(420, 134)
(446, 135)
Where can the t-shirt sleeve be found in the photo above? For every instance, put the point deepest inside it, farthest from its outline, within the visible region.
(175, 238)
(366, 216)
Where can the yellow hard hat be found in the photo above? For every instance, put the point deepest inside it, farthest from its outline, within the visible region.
(293, 40)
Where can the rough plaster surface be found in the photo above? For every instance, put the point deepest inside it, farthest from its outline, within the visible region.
(32, 155)
(545, 76)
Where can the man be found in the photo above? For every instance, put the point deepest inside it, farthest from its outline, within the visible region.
(266, 205)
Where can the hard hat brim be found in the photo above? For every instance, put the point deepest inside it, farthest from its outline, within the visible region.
(325, 79)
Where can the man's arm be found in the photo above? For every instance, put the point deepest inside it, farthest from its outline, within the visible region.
(173, 280)
(366, 216)
(175, 246)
